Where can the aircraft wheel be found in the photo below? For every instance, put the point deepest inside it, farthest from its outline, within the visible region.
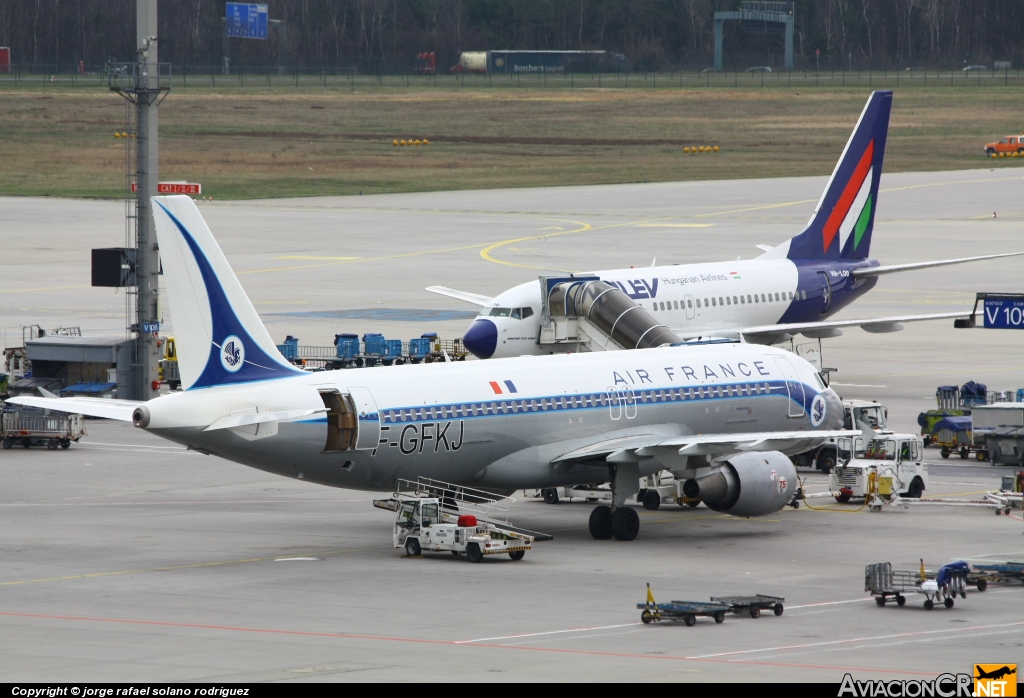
(625, 523)
(693, 505)
(517, 554)
(778, 609)
(948, 603)
(601, 522)
(412, 548)
(690, 620)
(652, 500)
(719, 616)
(8, 444)
(900, 600)
(928, 604)
(755, 612)
(52, 444)
(550, 496)
(646, 617)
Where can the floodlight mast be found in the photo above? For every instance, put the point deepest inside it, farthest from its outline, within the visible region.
(144, 85)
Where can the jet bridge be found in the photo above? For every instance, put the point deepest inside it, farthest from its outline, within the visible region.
(595, 315)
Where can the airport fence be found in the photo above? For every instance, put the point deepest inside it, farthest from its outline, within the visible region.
(352, 78)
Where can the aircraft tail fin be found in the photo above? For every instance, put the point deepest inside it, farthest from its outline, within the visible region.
(219, 336)
(845, 216)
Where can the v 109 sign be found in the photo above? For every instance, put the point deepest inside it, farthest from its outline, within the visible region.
(1004, 313)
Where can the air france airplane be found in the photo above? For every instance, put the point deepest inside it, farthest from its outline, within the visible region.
(793, 288)
(722, 416)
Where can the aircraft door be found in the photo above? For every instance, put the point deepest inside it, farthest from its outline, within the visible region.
(794, 388)
(341, 421)
(368, 431)
(628, 402)
(826, 291)
(614, 405)
(691, 310)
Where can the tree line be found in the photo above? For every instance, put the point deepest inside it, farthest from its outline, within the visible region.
(655, 35)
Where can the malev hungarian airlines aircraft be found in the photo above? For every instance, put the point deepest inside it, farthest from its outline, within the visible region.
(723, 416)
(793, 288)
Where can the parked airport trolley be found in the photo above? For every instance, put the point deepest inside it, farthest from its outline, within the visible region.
(752, 605)
(885, 583)
(686, 611)
(33, 427)
(435, 516)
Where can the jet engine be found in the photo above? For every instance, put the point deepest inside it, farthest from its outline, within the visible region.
(746, 484)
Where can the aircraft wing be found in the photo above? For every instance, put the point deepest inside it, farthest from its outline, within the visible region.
(474, 298)
(90, 406)
(768, 334)
(892, 268)
(639, 446)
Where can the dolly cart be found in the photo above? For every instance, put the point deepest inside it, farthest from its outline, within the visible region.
(883, 582)
(29, 427)
(751, 604)
(436, 516)
(997, 573)
(686, 611)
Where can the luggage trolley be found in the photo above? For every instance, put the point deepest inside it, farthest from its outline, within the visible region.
(884, 583)
(685, 611)
(751, 604)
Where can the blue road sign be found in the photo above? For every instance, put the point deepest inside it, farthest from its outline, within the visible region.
(1004, 313)
(151, 327)
(246, 21)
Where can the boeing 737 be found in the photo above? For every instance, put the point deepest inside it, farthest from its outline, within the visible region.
(723, 416)
(790, 289)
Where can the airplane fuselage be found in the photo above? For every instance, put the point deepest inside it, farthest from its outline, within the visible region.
(691, 299)
(500, 424)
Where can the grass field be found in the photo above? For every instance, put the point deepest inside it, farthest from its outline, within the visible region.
(250, 142)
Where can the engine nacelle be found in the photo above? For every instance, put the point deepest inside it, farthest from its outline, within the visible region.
(747, 484)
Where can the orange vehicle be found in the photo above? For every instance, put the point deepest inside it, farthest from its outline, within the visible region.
(1009, 144)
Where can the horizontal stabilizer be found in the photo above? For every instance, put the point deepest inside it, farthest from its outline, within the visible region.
(893, 268)
(244, 420)
(474, 298)
(90, 406)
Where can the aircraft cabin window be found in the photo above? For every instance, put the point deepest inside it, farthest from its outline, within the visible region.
(713, 302)
(675, 305)
(777, 296)
(790, 295)
(734, 300)
(527, 312)
(698, 302)
(727, 301)
(720, 301)
(689, 304)
(762, 298)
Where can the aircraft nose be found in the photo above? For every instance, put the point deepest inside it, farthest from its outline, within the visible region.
(481, 338)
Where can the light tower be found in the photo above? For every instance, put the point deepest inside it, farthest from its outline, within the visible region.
(144, 84)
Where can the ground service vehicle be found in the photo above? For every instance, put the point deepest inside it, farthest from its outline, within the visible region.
(169, 365)
(887, 465)
(434, 516)
(858, 414)
(1007, 144)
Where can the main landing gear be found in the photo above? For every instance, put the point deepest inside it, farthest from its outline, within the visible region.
(618, 520)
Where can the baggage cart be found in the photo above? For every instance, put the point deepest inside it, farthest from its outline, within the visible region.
(34, 427)
(996, 573)
(685, 611)
(884, 583)
(752, 605)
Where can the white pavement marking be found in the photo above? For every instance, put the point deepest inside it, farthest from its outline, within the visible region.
(829, 603)
(919, 633)
(549, 632)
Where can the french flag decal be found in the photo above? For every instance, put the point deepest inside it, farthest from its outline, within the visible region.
(496, 387)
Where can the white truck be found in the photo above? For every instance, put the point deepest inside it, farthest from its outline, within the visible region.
(859, 414)
(433, 516)
(877, 469)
